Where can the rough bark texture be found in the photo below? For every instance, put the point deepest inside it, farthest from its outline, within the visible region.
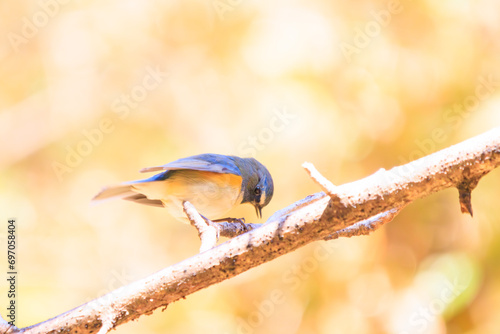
(368, 203)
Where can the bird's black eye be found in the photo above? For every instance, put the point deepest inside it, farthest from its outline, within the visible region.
(257, 191)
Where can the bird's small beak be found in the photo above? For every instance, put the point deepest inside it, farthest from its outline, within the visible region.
(258, 211)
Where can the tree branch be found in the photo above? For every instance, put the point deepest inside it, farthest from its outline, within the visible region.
(351, 209)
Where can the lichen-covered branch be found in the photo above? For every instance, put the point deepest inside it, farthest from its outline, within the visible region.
(369, 203)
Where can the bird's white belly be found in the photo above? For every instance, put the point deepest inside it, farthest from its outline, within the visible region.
(212, 196)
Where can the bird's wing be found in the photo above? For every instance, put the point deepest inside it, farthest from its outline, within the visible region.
(215, 163)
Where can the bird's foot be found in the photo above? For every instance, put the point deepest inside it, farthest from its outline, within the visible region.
(240, 221)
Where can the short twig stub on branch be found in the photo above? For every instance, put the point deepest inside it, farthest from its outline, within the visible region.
(207, 230)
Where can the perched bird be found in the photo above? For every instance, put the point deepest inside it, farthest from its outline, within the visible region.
(213, 183)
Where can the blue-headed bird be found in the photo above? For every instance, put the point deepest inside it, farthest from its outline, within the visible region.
(212, 183)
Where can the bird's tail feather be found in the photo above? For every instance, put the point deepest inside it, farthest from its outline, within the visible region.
(126, 191)
(118, 191)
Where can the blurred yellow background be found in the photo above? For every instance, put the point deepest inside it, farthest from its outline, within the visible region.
(93, 91)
